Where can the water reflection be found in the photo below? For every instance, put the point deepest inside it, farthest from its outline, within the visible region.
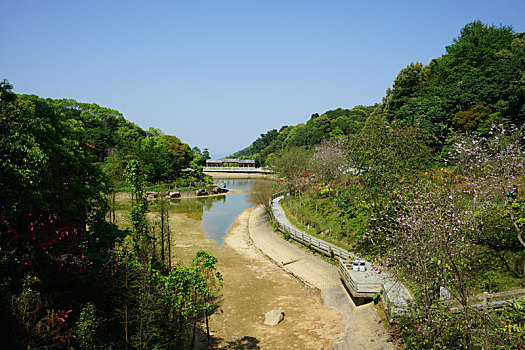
(194, 207)
(218, 213)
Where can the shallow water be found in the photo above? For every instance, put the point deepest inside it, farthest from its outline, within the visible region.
(218, 213)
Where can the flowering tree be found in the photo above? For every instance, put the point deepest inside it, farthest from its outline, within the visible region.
(429, 245)
(434, 240)
(494, 168)
(329, 161)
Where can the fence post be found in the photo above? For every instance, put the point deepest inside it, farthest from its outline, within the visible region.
(485, 303)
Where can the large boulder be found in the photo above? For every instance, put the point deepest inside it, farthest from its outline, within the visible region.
(272, 318)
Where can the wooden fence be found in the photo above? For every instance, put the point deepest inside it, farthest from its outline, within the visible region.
(304, 238)
(492, 300)
(485, 300)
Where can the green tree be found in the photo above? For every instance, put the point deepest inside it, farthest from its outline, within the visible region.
(209, 285)
(139, 206)
(408, 84)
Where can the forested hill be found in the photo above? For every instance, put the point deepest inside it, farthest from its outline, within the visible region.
(330, 124)
(104, 128)
(479, 81)
(113, 141)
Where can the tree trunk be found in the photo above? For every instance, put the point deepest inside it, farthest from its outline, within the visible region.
(207, 326)
(126, 308)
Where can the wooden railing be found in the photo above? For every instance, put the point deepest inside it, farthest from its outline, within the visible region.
(319, 245)
(397, 299)
(487, 301)
(391, 288)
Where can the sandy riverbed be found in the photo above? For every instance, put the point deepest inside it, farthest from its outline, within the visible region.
(254, 285)
(363, 328)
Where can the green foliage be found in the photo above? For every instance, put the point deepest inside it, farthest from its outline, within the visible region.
(57, 252)
(105, 128)
(331, 124)
(139, 208)
(513, 317)
(86, 328)
(163, 157)
(42, 155)
(497, 230)
(114, 141)
(476, 118)
(291, 167)
(479, 81)
(385, 155)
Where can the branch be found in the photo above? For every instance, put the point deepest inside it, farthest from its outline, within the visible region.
(518, 229)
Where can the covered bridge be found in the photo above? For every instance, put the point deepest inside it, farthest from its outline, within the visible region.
(230, 163)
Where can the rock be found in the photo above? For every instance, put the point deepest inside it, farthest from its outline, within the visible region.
(151, 194)
(201, 192)
(273, 317)
(174, 194)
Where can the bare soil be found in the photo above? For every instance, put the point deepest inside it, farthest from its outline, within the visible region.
(253, 286)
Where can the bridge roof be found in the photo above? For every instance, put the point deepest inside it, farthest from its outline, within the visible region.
(231, 160)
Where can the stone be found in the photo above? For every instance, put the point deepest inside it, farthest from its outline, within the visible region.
(151, 194)
(272, 318)
(174, 194)
(201, 192)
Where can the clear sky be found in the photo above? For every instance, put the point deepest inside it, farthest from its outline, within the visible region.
(218, 73)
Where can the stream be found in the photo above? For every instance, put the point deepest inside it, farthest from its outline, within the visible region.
(219, 213)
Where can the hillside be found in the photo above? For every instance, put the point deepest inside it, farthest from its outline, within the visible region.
(332, 123)
(479, 81)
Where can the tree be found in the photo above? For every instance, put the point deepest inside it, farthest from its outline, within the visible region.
(493, 166)
(206, 154)
(52, 230)
(477, 117)
(385, 155)
(292, 167)
(440, 222)
(209, 285)
(482, 66)
(329, 161)
(154, 132)
(162, 157)
(408, 84)
(139, 207)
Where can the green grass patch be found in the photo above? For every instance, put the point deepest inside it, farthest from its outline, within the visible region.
(285, 203)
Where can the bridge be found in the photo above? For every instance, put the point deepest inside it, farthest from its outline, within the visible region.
(245, 170)
(233, 165)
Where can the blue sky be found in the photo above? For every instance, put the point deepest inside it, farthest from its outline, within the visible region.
(219, 73)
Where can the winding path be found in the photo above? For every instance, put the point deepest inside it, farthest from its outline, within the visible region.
(363, 330)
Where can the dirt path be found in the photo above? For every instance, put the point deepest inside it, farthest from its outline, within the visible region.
(253, 286)
(363, 329)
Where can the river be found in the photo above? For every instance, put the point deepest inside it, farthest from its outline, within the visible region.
(217, 218)
(252, 284)
(217, 214)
